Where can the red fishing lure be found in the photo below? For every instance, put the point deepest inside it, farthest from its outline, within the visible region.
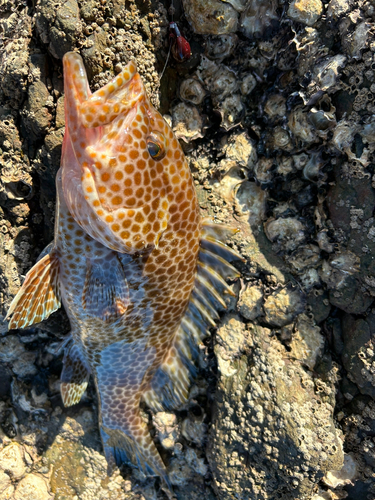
(180, 46)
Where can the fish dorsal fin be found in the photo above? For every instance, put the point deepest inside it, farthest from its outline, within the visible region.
(39, 296)
(74, 376)
(106, 292)
(170, 384)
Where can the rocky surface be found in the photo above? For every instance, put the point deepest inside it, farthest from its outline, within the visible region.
(275, 111)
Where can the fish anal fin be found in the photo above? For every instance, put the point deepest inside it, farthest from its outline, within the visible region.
(169, 387)
(106, 292)
(74, 377)
(39, 296)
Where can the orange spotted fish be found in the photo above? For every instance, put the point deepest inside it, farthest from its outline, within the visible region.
(140, 274)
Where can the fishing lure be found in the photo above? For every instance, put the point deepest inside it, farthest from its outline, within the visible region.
(181, 50)
(139, 272)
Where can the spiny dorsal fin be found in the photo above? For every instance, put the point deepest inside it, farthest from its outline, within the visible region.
(74, 376)
(39, 295)
(106, 292)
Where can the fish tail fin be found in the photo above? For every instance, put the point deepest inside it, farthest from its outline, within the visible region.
(169, 386)
(39, 296)
(121, 447)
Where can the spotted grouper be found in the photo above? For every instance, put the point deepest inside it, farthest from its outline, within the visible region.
(139, 272)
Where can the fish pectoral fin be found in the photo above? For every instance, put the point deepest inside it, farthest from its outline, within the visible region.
(106, 291)
(39, 296)
(74, 376)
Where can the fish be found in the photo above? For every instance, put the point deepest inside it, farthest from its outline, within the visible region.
(140, 273)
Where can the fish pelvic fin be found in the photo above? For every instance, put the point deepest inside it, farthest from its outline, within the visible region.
(39, 296)
(74, 376)
(122, 448)
(106, 290)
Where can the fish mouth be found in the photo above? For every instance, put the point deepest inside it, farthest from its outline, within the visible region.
(115, 100)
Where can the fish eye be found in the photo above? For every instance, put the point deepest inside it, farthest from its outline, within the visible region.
(156, 145)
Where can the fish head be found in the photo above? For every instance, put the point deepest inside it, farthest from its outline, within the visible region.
(121, 164)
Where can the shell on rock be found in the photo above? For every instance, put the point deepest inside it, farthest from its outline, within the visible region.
(275, 107)
(187, 122)
(250, 201)
(211, 17)
(262, 170)
(231, 111)
(258, 16)
(191, 90)
(289, 232)
(221, 46)
(301, 128)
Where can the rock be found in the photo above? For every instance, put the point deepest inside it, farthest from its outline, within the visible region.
(250, 302)
(282, 306)
(271, 430)
(59, 27)
(337, 8)
(358, 354)
(12, 460)
(305, 11)
(33, 487)
(288, 232)
(250, 202)
(5, 482)
(166, 425)
(211, 17)
(307, 341)
(231, 340)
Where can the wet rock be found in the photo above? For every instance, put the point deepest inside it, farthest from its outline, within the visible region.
(305, 11)
(282, 306)
(337, 8)
(263, 419)
(33, 487)
(211, 17)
